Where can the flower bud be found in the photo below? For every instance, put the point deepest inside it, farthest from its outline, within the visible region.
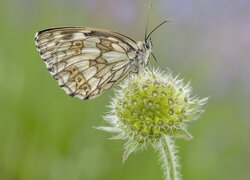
(149, 106)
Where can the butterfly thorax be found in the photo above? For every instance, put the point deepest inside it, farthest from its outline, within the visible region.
(143, 52)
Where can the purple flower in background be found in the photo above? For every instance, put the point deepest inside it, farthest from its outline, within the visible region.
(123, 10)
(181, 9)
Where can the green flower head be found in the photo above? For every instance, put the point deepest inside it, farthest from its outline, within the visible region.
(148, 107)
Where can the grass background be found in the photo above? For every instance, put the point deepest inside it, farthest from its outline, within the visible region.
(44, 134)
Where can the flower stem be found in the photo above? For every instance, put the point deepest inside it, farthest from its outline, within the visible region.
(169, 159)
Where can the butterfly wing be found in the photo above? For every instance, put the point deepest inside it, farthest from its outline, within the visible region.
(85, 61)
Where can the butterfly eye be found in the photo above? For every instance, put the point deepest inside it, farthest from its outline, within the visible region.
(147, 45)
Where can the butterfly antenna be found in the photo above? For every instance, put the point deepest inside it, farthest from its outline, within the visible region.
(149, 9)
(155, 29)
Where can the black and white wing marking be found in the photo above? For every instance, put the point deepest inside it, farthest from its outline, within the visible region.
(85, 61)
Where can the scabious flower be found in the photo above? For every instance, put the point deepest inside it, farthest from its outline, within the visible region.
(150, 108)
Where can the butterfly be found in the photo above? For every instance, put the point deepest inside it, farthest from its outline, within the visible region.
(87, 61)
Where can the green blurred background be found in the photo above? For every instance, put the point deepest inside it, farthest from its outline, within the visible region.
(45, 134)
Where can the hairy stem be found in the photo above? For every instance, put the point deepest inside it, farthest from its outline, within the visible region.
(169, 159)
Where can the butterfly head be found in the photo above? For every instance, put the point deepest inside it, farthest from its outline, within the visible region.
(148, 45)
(144, 51)
(147, 48)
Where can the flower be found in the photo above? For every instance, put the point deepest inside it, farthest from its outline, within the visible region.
(148, 107)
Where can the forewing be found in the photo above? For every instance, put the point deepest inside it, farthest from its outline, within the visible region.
(85, 61)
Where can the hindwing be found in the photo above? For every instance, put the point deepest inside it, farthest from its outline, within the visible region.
(85, 61)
